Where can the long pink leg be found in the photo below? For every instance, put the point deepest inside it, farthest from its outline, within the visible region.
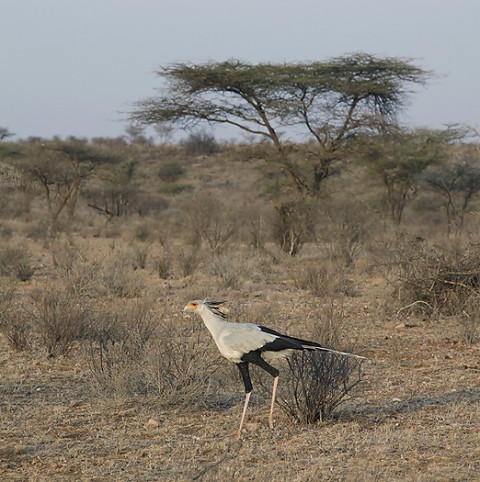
(247, 398)
(274, 393)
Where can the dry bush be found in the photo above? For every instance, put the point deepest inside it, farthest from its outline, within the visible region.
(256, 223)
(439, 282)
(16, 262)
(229, 270)
(329, 325)
(90, 275)
(170, 171)
(469, 320)
(117, 341)
(256, 229)
(183, 365)
(200, 143)
(17, 330)
(188, 262)
(142, 232)
(322, 277)
(347, 239)
(312, 384)
(64, 254)
(133, 353)
(117, 274)
(163, 266)
(436, 280)
(140, 254)
(212, 220)
(60, 318)
(316, 383)
(13, 323)
(292, 225)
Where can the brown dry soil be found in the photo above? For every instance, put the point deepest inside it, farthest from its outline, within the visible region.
(416, 417)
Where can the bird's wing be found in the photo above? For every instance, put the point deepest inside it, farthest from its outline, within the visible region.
(242, 338)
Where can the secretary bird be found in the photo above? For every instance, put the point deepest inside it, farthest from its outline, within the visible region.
(245, 343)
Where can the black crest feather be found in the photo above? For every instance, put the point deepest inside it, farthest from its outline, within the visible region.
(214, 307)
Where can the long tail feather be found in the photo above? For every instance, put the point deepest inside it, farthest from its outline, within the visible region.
(285, 342)
(336, 352)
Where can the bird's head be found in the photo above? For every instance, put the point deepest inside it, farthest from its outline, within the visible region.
(200, 306)
(194, 306)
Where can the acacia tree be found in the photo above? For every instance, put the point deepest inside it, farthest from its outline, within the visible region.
(60, 168)
(457, 183)
(400, 158)
(4, 133)
(330, 102)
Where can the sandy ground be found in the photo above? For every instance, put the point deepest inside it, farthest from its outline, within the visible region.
(415, 417)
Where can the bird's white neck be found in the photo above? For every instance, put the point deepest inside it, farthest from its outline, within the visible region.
(213, 322)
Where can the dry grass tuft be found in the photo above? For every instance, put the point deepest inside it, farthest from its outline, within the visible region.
(188, 262)
(13, 324)
(16, 262)
(60, 319)
(229, 270)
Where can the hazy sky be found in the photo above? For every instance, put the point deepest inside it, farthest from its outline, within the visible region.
(71, 67)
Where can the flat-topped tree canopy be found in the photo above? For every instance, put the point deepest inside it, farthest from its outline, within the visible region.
(330, 100)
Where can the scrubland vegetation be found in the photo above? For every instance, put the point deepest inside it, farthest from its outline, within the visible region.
(103, 378)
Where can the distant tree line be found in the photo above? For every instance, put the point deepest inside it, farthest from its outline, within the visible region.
(316, 118)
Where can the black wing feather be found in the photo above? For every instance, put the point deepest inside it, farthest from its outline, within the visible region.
(284, 342)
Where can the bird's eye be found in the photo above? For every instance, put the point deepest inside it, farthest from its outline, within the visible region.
(194, 304)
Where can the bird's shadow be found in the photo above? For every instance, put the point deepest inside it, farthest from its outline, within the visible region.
(226, 402)
(376, 412)
(380, 412)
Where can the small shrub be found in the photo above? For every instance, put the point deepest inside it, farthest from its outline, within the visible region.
(17, 331)
(140, 254)
(212, 221)
(149, 203)
(469, 321)
(317, 383)
(65, 254)
(118, 340)
(13, 324)
(200, 143)
(131, 353)
(16, 261)
(330, 324)
(142, 232)
(256, 228)
(60, 318)
(24, 270)
(292, 226)
(322, 277)
(437, 281)
(164, 266)
(171, 171)
(188, 262)
(117, 274)
(182, 368)
(229, 271)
